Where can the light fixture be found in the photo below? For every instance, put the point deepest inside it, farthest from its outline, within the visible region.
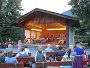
(33, 29)
(57, 29)
(36, 29)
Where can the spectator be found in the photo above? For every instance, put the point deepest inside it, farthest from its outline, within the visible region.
(67, 57)
(27, 50)
(40, 56)
(22, 53)
(79, 50)
(9, 58)
(52, 58)
(48, 49)
(19, 45)
(9, 42)
(60, 52)
(10, 48)
(56, 48)
(78, 63)
(2, 57)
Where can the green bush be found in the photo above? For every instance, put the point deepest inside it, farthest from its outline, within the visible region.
(84, 39)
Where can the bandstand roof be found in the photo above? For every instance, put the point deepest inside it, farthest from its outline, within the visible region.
(44, 19)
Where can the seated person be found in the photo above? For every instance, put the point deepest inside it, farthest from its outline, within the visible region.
(9, 58)
(48, 49)
(22, 53)
(40, 56)
(52, 58)
(2, 57)
(60, 52)
(67, 57)
(27, 50)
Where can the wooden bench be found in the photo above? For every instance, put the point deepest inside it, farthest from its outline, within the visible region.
(45, 64)
(39, 65)
(57, 63)
(59, 58)
(25, 59)
(50, 53)
(11, 65)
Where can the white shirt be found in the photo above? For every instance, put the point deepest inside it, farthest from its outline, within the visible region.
(65, 58)
(48, 49)
(18, 54)
(27, 50)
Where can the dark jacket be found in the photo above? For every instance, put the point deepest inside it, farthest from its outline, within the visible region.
(40, 57)
(60, 53)
(2, 59)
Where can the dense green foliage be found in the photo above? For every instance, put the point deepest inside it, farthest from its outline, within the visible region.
(81, 8)
(84, 39)
(9, 12)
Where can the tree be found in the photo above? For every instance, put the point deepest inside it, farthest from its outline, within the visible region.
(9, 12)
(81, 8)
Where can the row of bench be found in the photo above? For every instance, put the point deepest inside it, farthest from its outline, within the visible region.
(38, 64)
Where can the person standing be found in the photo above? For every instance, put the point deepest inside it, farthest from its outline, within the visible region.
(19, 45)
(78, 62)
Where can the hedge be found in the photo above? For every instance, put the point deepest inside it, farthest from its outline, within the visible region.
(85, 39)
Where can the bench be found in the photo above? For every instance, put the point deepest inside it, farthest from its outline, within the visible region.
(11, 65)
(59, 58)
(25, 60)
(50, 53)
(57, 63)
(39, 65)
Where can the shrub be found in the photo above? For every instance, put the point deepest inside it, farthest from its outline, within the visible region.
(84, 39)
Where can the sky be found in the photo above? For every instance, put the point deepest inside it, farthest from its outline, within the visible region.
(57, 6)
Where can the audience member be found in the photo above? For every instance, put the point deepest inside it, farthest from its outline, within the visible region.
(19, 45)
(48, 49)
(67, 57)
(78, 63)
(40, 56)
(27, 50)
(60, 52)
(9, 58)
(79, 50)
(2, 57)
(10, 48)
(52, 58)
(9, 42)
(22, 53)
(56, 48)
